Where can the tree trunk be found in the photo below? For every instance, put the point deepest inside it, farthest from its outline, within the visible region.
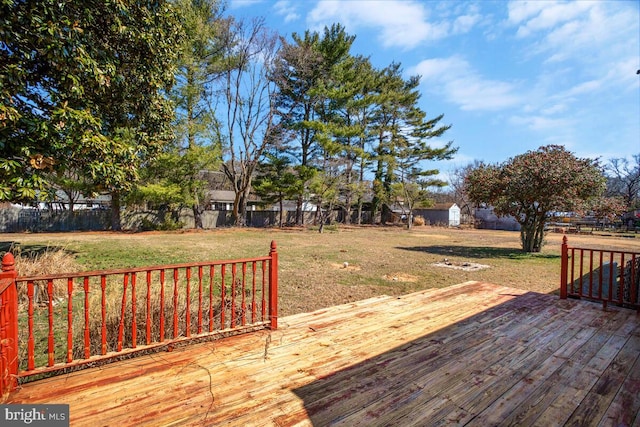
(384, 214)
(321, 216)
(197, 216)
(116, 225)
(299, 211)
(347, 209)
(532, 233)
(410, 220)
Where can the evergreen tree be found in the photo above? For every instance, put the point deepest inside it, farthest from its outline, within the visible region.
(402, 131)
(276, 181)
(303, 71)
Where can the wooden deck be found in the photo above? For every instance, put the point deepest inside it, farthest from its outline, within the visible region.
(471, 354)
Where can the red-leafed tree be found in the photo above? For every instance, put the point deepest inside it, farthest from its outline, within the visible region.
(607, 209)
(531, 186)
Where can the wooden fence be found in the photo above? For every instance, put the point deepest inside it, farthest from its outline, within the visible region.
(600, 275)
(56, 323)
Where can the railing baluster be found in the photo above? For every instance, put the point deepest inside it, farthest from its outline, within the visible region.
(581, 289)
(591, 273)
(175, 303)
(600, 268)
(234, 270)
(244, 299)
(621, 287)
(123, 311)
(253, 292)
(199, 299)
(264, 301)
(162, 319)
(148, 314)
(188, 304)
(573, 263)
(50, 343)
(212, 272)
(103, 332)
(611, 275)
(223, 303)
(634, 282)
(69, 320)
(134, 323)
(31, 339)
(5, 321)
(87, 340)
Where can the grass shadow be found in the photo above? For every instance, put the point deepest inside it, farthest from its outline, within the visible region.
(480, 252)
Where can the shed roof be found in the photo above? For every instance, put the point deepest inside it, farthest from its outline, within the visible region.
(441, 207)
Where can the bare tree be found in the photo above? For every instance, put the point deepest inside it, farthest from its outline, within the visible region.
(245, 112)
(624, 180)
(458, 191)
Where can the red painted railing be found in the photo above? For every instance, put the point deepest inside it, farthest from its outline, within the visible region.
(8, 327)
(600, 275)
(63, 321)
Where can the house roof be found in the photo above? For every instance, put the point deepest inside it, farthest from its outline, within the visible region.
(222, 196)
(440, 207)
(227, 196)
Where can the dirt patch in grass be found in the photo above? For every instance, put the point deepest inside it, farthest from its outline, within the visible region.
(400, 277)
(345, 266)
(462, 265)
(312, 271)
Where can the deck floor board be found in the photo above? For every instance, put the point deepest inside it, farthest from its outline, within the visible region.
(470, 354)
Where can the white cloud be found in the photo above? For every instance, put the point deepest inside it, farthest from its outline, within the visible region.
(554, 109)
(539, 123)
(589, 53)
(582, 89)
(536, 16)
(591, 34)
(402, 24)
(464, 23)
(286, 9)
(456, 80)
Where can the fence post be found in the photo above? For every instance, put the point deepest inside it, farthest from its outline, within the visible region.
(8, 326)
(273, 286)
(564, 266)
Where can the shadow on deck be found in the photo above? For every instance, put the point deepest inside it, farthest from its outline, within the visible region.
(470, 354)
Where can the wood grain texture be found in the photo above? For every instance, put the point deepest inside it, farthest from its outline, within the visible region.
(470, 354)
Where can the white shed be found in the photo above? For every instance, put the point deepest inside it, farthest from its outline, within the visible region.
(441, 214)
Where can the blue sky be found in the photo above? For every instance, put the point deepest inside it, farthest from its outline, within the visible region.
(509, 76)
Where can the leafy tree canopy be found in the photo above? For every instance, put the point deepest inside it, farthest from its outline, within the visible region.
(82, 88)
(533, 185)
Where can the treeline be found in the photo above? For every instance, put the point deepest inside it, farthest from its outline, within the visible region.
(137, 100)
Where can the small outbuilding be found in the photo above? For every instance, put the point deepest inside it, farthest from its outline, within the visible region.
(447, 214)
(486, 218)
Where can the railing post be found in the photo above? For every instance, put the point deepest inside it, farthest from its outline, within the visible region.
(564, 266)
(273, 286)
(8, 326)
